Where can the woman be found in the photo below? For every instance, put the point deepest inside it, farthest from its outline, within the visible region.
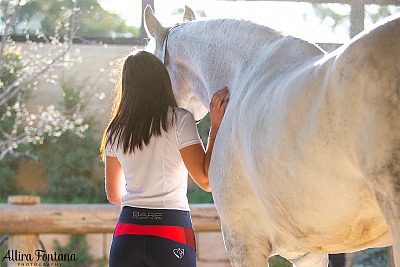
(149, 147)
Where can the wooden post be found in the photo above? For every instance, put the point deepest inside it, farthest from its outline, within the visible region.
(357, 16)
(349, 259)
(391, 257)
(22, 247)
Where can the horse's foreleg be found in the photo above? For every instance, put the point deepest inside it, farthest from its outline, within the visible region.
(244, 250)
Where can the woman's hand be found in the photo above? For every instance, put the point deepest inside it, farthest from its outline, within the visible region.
(217, 109)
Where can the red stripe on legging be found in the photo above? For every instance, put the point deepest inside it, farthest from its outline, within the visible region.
(175, 233)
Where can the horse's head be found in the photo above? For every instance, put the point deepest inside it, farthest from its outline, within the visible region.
(183, 80)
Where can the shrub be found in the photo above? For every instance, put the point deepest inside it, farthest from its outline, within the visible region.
(8, 184)
(73, 158)
(372, 258)
(78, 246)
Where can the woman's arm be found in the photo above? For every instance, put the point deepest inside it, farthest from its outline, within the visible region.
(115, 180)
(197, 161)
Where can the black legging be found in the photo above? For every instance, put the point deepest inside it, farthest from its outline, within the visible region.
(153, 238)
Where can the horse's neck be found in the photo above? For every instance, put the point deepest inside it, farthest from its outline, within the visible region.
(215, 60)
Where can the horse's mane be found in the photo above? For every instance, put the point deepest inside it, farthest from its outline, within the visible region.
(235, 25)
(253, 35)
(239, 29)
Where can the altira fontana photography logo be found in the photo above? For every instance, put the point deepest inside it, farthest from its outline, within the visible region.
(38, 258)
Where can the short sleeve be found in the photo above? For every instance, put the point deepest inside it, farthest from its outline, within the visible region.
(110, 150)
(186, 131)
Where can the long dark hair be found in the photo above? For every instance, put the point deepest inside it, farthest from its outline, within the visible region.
(142, 103)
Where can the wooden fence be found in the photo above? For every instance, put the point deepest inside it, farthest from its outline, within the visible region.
(24, 218)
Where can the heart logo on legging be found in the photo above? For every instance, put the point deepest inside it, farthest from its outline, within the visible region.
(179, 252)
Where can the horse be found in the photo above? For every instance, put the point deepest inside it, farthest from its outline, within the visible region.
(307, 158)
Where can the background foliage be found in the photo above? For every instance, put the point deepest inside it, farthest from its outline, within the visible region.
(91, 18)
(79, 246)
(72, 159)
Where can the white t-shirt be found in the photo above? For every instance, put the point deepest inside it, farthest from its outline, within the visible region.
(156, 176)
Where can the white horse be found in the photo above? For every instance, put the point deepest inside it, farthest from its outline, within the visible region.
(307, 158)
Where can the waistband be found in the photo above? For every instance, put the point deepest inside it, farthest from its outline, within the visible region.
(144, 216)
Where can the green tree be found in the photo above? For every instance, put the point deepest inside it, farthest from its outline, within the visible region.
(90, 18)
(375, 13)
(327, 12)
(336, 16)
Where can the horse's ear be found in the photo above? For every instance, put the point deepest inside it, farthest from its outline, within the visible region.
(189, 14)
(151, 24)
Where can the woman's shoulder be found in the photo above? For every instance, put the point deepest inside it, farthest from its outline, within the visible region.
(183, 117)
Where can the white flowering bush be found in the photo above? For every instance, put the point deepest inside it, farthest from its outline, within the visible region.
(21, 72)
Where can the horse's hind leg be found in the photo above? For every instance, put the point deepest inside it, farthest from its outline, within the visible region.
(390, 207)
(386, 184)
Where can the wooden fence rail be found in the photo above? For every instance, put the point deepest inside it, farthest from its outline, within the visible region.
(83, 218)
